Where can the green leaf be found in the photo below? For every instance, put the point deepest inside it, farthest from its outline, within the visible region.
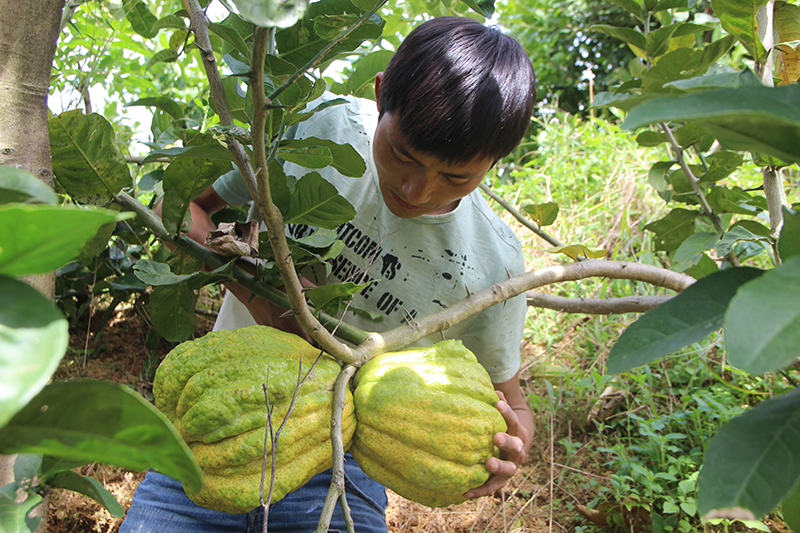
(729, 80)
(361, 82)
(88, 486)
(791, 508)
(690, 250)
(33, 339)
(170, 21)
(171, 309)
(632, 6)
(482, 7)
(308, 156)
(754, 460)
(167, 55)
(738, 17)
(330, 26)
(272, 13)
(627, 35)
(41, 238)
(721, 165)
(789, 240)
(316, 202)
(99, 421)
(576, 251)
(758, 119)
(17, 185)
(185, 179)
(762, 325)
(332, 298)
(651, 138)
(86, 159)
(140, 17)
(232, 37)
(26, 468)
(299, 44)
(656, 177)
(164, 103)
(673, 229)
(542, 214)
(686, 318)
(279, 186)
(212, 150)
(13, 516)
(344, 157)
(156, 274)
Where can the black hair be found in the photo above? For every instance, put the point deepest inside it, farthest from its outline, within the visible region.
(460, 90)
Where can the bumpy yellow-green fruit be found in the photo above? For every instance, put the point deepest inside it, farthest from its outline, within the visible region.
(426, 419)
(212, 391)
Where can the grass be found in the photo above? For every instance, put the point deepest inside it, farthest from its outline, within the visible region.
(635, 467)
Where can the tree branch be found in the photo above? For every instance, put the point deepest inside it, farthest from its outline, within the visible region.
(406, 334)
(595, 306)
(522, 219)
(337, 487)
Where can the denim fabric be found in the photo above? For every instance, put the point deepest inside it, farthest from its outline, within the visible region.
(161, 506)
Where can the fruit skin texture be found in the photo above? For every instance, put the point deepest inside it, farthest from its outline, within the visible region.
(426, 419)
(211, 390)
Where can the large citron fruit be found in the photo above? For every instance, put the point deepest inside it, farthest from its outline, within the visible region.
(426, 419)
(212, 391)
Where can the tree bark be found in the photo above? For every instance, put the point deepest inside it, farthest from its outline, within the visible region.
(28, 34)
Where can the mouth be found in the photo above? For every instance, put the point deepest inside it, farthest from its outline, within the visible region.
(405, 205)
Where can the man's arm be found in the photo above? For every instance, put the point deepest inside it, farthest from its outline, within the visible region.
(514, 443)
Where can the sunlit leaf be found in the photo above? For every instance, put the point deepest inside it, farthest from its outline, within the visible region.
(140, 17)
(13, 515)
(738, 17)
(577, 251)
(272, 13)
(542, 214)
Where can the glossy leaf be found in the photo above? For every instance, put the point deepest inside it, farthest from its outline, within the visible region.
(626, 35)
(33, 339)
(759, 119)
(762, 325)
(483, 7)
(687, 318)
(99, 421)
(332, 298)
(86, 159)
(344, 157)
(738, 17)
(40, 238)
(690, 250)
(162, 56)
(317, 203)
(171, 309)
(309, 156)
(232, 37)
(753, 461)
(789, 240)
(164, 103)
(88, 486)
(361, 82)
(17, 185)
(213, 150)
(576, 251)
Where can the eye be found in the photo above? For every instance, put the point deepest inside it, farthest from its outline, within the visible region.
(400, 157)
(457, 182)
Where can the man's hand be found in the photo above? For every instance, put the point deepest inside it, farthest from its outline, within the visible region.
(512, 452)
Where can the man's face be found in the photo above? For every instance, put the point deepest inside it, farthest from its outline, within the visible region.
(414, 183)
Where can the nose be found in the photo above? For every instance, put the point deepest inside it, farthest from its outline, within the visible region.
(418, 188)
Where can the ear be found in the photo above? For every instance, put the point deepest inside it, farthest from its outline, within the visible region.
(378, 79)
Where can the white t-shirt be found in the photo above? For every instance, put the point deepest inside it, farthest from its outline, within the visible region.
(418, 266)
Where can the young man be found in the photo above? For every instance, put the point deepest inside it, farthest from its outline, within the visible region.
(456, 97)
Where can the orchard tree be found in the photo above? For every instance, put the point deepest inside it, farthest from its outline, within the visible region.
(259, 80)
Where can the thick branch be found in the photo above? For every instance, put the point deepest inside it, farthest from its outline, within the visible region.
(522, 219)
(595, 306)
(336, 490)
(408, 333)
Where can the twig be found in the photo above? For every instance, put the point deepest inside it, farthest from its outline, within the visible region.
(337, 487)
(522, 219)
(595, 306)
(677, 149)
(581, 471)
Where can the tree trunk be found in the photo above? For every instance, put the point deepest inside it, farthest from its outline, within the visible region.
(28, 33)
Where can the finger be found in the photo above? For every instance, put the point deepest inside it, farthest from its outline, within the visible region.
(502, 471)
(511, 447)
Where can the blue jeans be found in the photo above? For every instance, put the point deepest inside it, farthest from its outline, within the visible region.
(161, 506)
